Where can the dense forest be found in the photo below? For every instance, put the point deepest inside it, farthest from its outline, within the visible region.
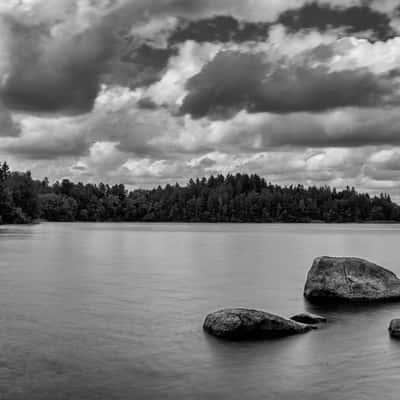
(231, 198)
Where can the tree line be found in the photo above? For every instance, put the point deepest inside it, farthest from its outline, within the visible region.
(231, 198)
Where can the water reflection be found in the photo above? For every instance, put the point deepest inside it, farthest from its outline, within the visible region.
(115, 311)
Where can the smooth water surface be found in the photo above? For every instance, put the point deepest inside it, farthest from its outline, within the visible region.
(115, 311)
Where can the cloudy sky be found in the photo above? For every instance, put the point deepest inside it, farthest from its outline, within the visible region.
(145, 92)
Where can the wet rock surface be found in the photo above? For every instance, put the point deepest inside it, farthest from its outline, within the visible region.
(247, 324)
(308, 318)
(350, 279)
(394, 328)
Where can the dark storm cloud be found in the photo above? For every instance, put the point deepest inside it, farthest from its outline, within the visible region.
(147, 103)
(349, 130)
(343, 128)
(226, 28)
(221, 90)
(49, 75)
(48, 148)
(390, 161)
(63, 74)
(139, 65)
(220, 29)
(354, 19)
(147, 56)
(8, 127)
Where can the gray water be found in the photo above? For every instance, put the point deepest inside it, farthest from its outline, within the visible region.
(115, 311)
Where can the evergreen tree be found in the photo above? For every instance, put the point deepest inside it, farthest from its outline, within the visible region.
(231, 198)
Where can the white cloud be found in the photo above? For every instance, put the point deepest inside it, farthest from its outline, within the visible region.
(378, 57)
(154, 32)
(119, 142)
(191, 58)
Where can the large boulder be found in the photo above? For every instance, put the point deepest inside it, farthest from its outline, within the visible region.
(350, 279)
(308, 318)
(244, 324)
(394, 328)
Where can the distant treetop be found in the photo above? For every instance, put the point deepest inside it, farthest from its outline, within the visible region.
(230, 198)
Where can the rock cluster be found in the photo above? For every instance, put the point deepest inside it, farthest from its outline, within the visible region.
(245, 324)
(330, 279)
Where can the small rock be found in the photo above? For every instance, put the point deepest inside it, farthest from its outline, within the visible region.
(394, 328)
(308, 318)
(245, 324)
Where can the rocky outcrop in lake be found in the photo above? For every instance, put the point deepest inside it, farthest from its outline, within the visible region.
(350, 279)
(308, 318)
(245, 324)
(394, 328)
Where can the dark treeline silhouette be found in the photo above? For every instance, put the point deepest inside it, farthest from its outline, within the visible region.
(231, 198)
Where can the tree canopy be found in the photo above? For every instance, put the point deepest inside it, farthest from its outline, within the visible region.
(230, 198)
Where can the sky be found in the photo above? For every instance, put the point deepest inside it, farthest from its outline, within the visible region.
(149, 92)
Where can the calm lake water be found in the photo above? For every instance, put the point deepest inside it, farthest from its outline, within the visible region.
(115, 311)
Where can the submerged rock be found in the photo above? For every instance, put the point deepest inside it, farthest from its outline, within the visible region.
(394, 328)
(245, 324)
(308, 318)
(350, 279)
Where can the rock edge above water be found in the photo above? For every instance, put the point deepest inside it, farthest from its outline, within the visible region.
(350, 279)
(248, 324)
(308, 318)
(394, 328)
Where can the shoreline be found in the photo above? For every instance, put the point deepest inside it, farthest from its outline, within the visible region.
(315, 222)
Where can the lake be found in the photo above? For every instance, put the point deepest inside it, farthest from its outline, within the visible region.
(115, 311)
